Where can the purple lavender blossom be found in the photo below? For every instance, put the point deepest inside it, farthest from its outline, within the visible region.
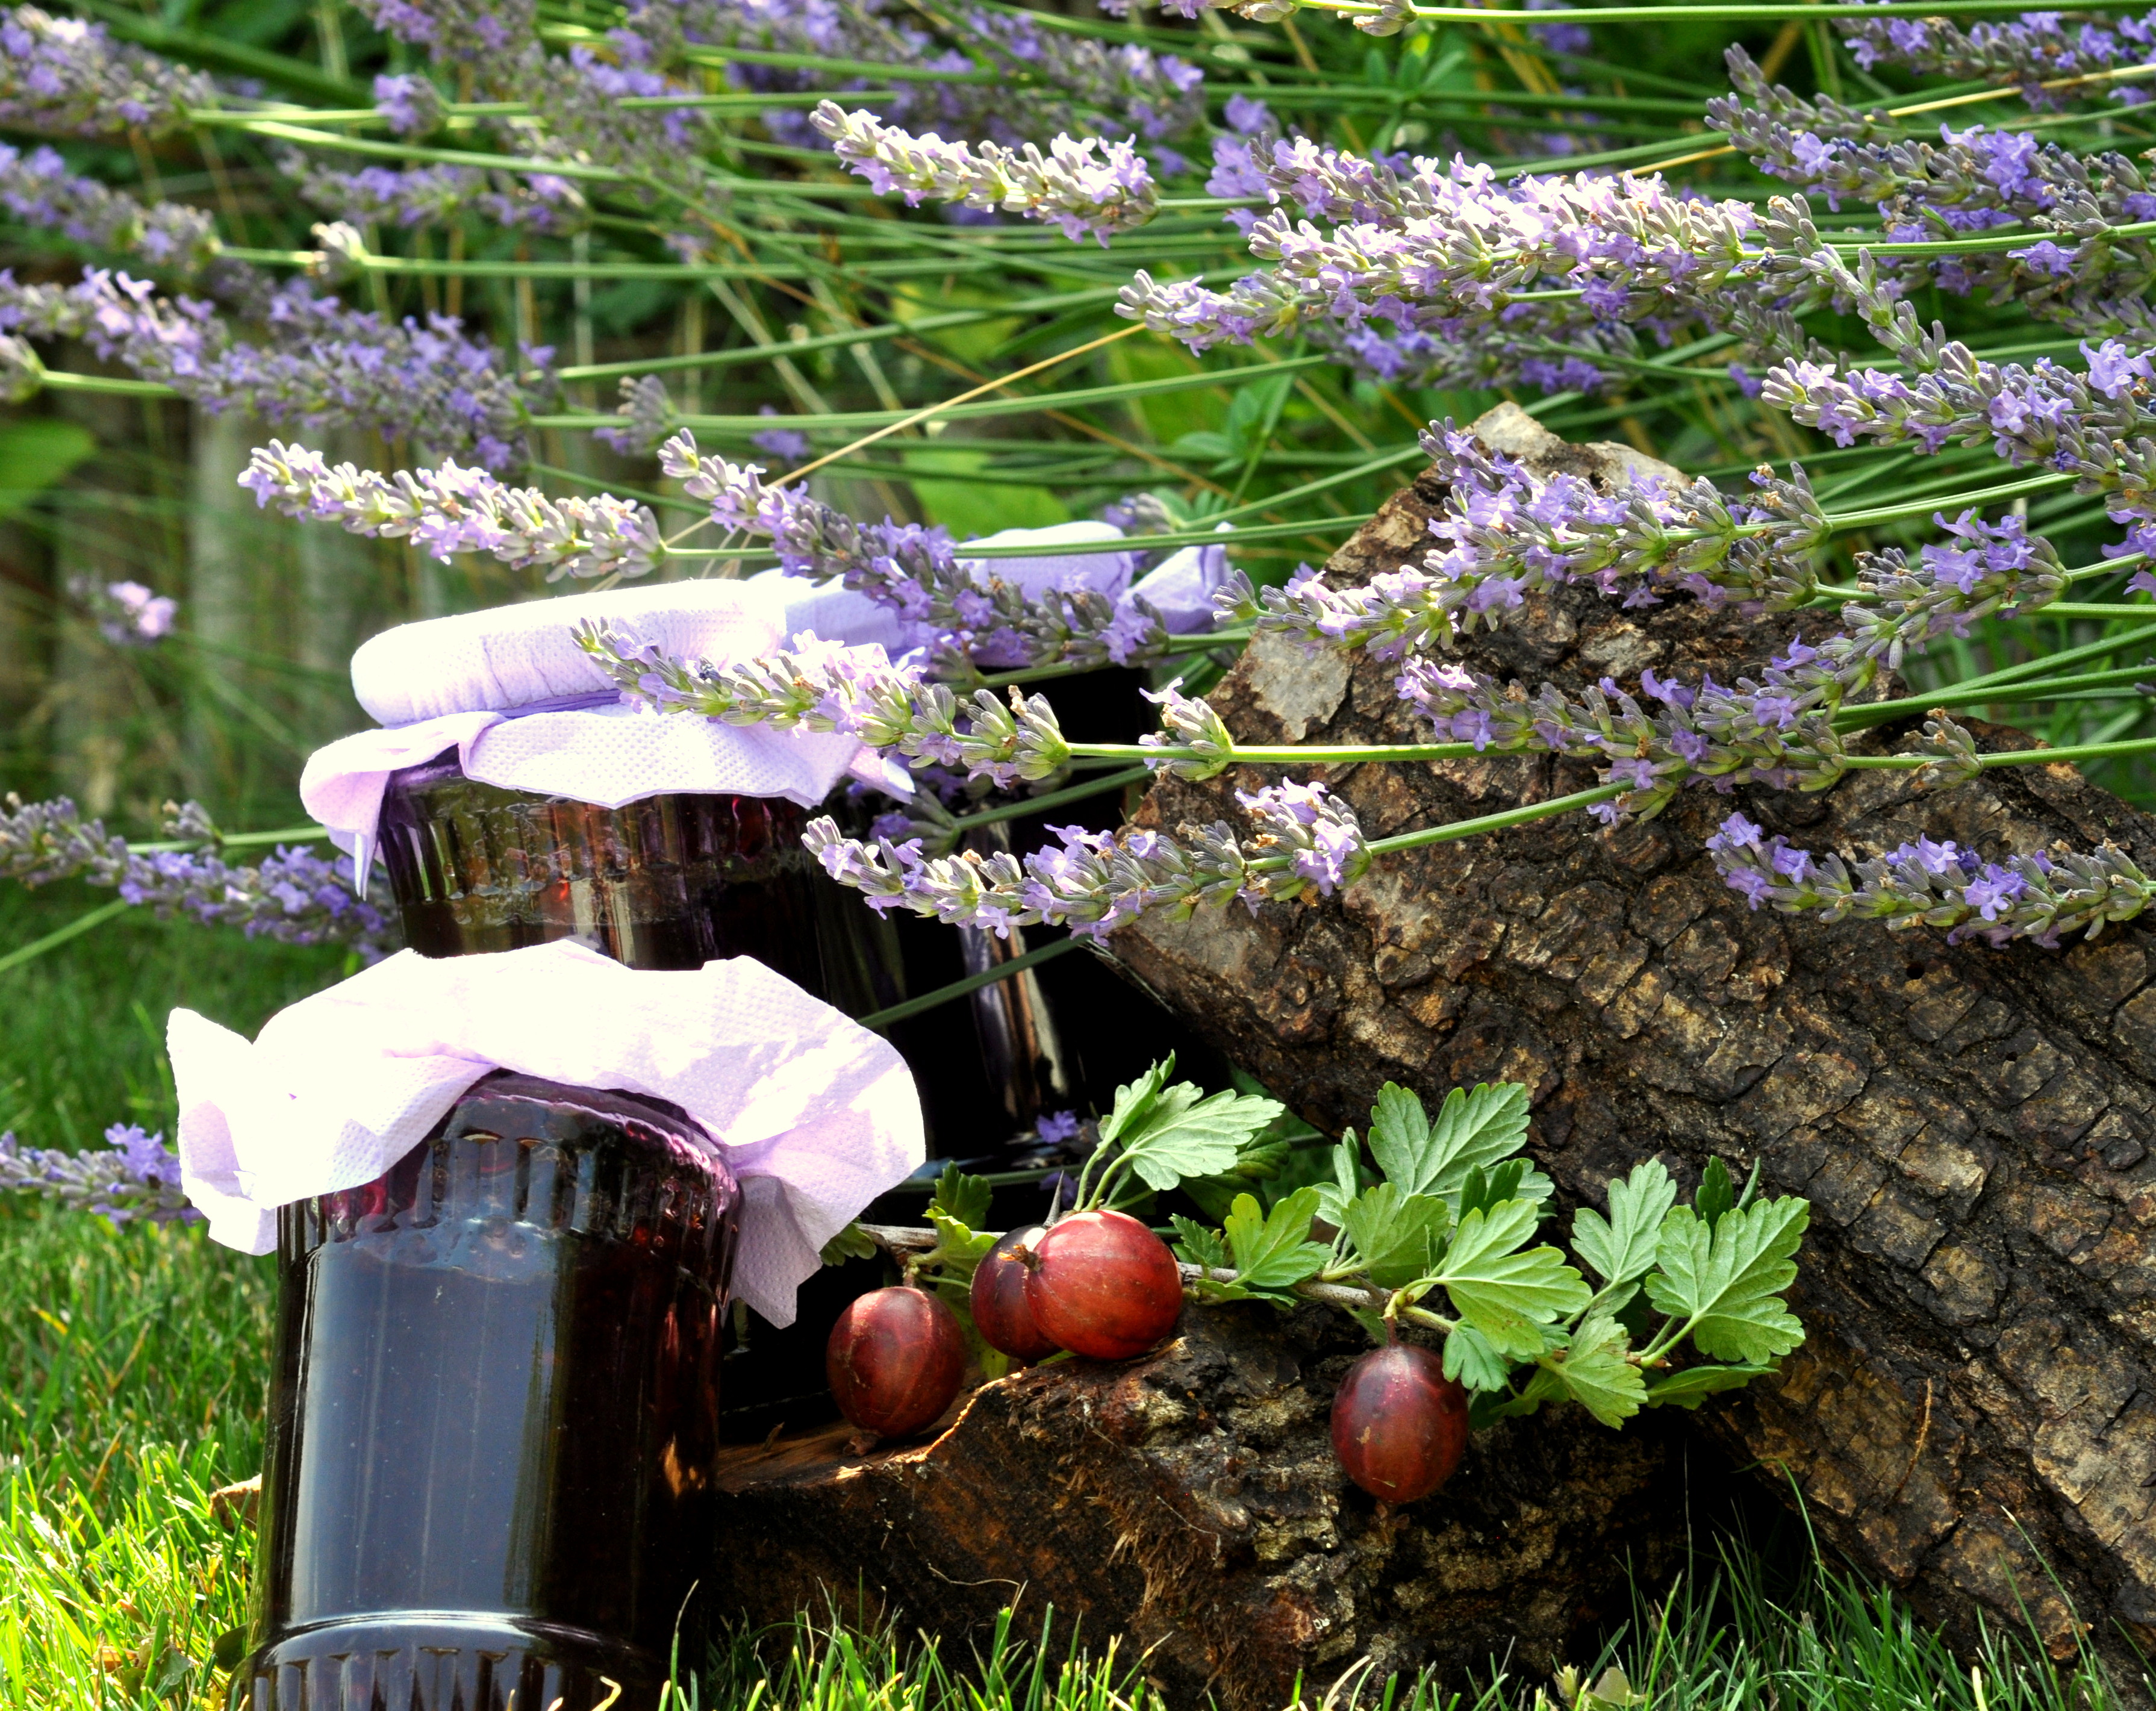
(322, 364)
(451, 510)
(292, 895)
(1093, 881)
(824, 685)
(2036, 896)
(409, 104)
(67, 78)
(422, 197)
(1058, 1127)
(128, 615)
(38, 189)
(2037, 48)
(976, 616)
(789, 445)
(1438, 248)
(1084, 195)
(1512, 533)
(137, 1176)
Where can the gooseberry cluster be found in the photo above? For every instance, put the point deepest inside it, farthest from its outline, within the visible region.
(1426, 1212)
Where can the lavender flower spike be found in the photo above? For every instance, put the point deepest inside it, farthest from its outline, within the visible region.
(1086, 197)
(455, 510)
(293, 896)
(68, 78)
(2035, 896)
(1093, 881)
(138, 1177)
(855, 691)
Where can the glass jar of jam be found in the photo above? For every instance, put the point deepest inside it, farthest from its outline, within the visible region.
(494, 1407)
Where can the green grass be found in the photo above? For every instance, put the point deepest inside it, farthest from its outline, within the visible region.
(131, 1373)
(82, 1044)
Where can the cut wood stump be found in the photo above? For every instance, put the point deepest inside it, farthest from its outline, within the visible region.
(1187, 1505)
(1974, 1417)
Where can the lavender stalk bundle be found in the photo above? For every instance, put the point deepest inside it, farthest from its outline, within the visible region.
(292, 895)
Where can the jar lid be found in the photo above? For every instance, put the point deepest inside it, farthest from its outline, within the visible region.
(509, 658)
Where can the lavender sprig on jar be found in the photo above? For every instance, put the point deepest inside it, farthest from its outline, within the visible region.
(978, 618)
(1087, 198)
(854, 691)
(2039, 896)
(1093, 881)
(136, 1176)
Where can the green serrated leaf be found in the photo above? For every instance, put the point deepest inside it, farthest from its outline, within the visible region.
(1178, 1138)
(848, 1244)
(1135, 1100)
(1397, 1235)
(1272, 1250)
(1399, 1137)
(1333, 1196)
(1494, 1282)
(1596, 1373)
(963, 1197)
(1486, 1187)
(959, 1248)
(1726, 1279)
(1262, 1159)
(1717, 1193)
(1621, 1246)
(1479, 1126)
(1693, 1385)
(1195, 1245)
(1471, 1358)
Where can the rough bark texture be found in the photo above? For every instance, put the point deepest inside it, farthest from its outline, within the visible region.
(1972, 1126)
(1189, 1503)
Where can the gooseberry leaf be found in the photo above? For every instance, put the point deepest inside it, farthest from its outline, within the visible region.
(1398, 1235)
(1492, 1279)
(1717, 1193)
(1272, 1250)
(1194, 1245)
(1596, 1373)
(1333, 1196)
(1167, 1130)
(963, 1197)
(1693, 1385)
(1726, 1279)
(959, 1248)
(1485, 1188)
(848, 1244)
(1621, 1246)
(1480, 1127)
(1471, 1360)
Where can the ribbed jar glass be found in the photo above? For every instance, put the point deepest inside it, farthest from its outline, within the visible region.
(494, 1411)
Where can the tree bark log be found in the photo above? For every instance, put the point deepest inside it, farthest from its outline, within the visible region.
(1974, 1415)
(1187, 1506)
